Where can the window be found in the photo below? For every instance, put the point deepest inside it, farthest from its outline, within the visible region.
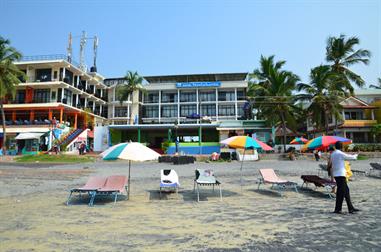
(68, 76)
(226, 95)
(41, 95)
(226, 110)
(44, 75)
(120, 111)
(207, 96)
(151, 97)
(208, 109)
(54, 96)
(241, 109)
(168, 97)
(241, 95)
(150, 111)
(354, 115)
(169, 111)
(67, 97)
(20, 96)
(188, 96)
(187, 110)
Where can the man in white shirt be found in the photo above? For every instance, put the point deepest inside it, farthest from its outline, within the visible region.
(338, 172)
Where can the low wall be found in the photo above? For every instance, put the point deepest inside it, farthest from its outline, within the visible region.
(206, 148)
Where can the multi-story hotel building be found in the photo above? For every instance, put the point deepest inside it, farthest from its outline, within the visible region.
(199, 110)
(56, 98)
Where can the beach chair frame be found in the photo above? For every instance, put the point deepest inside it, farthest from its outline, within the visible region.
(197, 184)
(279, 186)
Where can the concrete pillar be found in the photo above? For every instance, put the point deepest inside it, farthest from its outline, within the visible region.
(75, 120)
(159, 106)
(76, 100)
(85, 102)
(216, 104)
(61, 114)
(31, 115)
(372, 114)
(62, 93)
(93, 106)
(63, 73)
(235, 103)
(178, 106)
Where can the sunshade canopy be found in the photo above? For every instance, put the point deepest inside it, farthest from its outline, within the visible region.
(25, 136)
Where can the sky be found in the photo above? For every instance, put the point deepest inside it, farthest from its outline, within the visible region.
(167, 37)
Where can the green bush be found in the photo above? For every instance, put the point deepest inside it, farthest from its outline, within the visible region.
(366, 147)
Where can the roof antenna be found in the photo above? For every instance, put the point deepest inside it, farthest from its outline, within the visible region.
(82, 64)
(69, 49)
(95, 49)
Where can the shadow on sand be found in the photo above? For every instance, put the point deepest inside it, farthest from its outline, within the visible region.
(190, 195)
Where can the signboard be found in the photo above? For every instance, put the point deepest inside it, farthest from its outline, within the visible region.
(198, 84)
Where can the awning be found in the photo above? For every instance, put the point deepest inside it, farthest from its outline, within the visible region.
(24, 136)
(26, 129)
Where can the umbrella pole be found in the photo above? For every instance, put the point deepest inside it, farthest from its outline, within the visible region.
(243, 157)
(129, 178)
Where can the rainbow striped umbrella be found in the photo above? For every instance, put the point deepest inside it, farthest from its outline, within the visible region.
(323, 142)
(245, 142)
(299, 140)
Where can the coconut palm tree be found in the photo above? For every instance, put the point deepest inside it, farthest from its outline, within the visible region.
(325, 94)
(270, 90)
(133, 82)
(9, 77)
(341, 53)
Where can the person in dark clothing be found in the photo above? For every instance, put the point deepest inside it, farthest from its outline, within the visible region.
(339, 172)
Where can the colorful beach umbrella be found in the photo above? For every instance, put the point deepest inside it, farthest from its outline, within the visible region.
(299, 140)
(131, 152)
(245, 142)
(323, 142)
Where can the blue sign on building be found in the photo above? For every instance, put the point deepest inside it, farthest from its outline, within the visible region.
(198, 84)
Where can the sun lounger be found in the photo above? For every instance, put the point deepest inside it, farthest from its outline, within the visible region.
(375, 167)
(169, 180)
(205, 178)
(319, 182)
(269, 177)
(91, 186)
(114, 186)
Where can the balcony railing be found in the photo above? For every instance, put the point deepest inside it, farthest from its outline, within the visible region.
(48, 57)
(359, 123)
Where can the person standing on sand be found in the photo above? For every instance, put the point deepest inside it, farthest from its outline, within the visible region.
(338, 172)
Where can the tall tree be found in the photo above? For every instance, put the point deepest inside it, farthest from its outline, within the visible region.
(133, 82)
(9, 77)
(271, 90)
(324, 93)
(340, 52)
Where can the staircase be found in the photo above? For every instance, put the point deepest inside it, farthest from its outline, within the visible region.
(69, 138)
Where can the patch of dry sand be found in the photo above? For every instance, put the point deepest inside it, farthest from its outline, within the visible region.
(37, 219)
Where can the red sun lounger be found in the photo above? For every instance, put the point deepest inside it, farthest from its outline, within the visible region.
(91, 186)
(269, 177)
(319, 182)
(115, 185)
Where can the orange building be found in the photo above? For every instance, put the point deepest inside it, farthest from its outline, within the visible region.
(55, 95)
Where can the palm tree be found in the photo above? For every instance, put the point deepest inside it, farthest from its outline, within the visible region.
(378, 86)
(9, 77)
(325, 94)
(270, 89)
(341, 53)
(133, 82)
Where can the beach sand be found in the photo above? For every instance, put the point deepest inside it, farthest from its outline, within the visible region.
(34, 216)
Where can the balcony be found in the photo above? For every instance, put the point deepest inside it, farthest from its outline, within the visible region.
(359, 123)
